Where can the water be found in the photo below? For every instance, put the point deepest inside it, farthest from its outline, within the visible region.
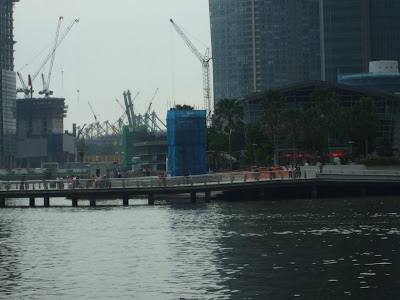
(320, 249)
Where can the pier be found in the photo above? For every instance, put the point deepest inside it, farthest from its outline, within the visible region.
(235, 185)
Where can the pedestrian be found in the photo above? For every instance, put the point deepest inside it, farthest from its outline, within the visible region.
(22, 184)
(44, 183)
(290, 171)
(186, 174)
(321, 166)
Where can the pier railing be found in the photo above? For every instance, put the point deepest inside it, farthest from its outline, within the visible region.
(146, 182)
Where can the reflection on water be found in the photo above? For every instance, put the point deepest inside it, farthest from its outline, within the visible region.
(320, 249)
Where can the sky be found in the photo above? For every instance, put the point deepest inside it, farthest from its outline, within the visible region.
(118, 45)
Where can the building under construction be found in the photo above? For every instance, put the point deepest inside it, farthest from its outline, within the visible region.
(7, 85)
(40, 131)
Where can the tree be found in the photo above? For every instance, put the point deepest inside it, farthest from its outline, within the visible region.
(365, 120)
(292, 121)
(271, 117)
(330, 111)
(229, 115)
(182, 107)
(312, 133)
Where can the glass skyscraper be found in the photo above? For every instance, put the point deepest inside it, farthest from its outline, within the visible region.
(263, 44)
(8, 122)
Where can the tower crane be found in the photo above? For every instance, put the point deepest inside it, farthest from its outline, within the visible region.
(97, 123)
(24, 88)
(205, 62)
(46, 85)
(151, 102)
(32, 78)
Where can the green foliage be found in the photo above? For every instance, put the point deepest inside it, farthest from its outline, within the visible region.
(384, 147)
(229, 115)
(381, 161)
(182, 107)
(365, 122)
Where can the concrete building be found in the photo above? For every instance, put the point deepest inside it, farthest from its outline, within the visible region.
(383, 76)
(7, 86)
(258, 44)
(40, 133)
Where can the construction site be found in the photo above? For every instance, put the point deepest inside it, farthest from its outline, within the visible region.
(136, 143)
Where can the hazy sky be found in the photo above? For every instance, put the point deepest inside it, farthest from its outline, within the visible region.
(116, 46)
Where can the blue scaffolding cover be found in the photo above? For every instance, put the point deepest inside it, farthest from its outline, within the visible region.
(187, 141)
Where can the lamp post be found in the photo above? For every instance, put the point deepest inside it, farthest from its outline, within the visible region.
(351, 149)
(254, 153)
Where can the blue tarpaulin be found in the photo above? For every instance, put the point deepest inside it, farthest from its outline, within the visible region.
(187, 141)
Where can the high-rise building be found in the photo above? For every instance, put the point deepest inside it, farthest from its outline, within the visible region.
(8, 125)
(263, 44)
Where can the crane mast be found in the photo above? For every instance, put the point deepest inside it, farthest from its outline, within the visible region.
(46, 84)
(205, 62)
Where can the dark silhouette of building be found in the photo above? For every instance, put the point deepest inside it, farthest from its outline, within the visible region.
(8, 124)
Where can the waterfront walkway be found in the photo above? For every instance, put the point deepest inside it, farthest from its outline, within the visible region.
(241, 185)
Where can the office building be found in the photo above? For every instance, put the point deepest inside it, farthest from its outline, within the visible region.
(262, 44)
(8, 124)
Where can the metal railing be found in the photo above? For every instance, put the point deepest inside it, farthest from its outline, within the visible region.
(149, 182)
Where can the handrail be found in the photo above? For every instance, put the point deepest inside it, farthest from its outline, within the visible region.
(207, 179)
(146, 182)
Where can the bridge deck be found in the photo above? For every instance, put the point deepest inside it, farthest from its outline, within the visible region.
(236, 183)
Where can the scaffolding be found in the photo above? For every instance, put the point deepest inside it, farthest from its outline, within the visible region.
(187, 141)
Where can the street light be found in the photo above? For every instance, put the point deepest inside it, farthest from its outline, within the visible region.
(351, 149)
(254, 153)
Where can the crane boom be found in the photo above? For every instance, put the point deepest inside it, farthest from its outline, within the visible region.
(53, 50)
(205, 62)
(151, 102)
(187, 41)
(46, 85)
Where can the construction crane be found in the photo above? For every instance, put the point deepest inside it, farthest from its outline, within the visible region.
(24, 88)
(151, 102)
(97, 123)
(46, 84)
(205, 62)
(32, 78)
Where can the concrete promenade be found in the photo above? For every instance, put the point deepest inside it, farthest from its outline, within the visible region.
(230, 186)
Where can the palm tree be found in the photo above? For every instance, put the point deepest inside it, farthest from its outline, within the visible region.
(366, 122)
(292, 121)
(271, 117)
(229, 115)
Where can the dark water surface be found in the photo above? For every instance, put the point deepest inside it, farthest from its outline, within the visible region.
(320, 249)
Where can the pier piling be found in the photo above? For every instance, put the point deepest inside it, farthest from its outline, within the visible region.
(46, 201)
(2, 202)
(74, 202)
(125, 201)
(207, 196)
(193, 197)
(31, 202)
(150, 199)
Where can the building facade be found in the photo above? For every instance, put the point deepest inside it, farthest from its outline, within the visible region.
(8, 123)
(262, 44)
(40, 133)
(298, 95)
